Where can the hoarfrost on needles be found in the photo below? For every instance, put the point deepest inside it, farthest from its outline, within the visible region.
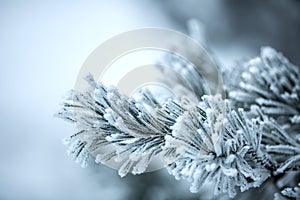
(240, 143)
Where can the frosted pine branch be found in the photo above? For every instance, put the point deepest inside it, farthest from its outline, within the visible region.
(203, 140)
(271, 82)
(289, 193)
(218, 148)
(113, 126)
(279, 144)
(189, 84)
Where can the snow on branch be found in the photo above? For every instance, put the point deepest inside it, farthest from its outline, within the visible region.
(112, 126)
(215, 143)
(115, 127)
(236, 143)
(289, 193)
(271, 82)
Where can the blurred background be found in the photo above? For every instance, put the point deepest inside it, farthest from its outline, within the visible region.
(42, 47)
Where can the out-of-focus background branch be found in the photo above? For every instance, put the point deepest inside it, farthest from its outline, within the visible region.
(42, 47)
(242, 27)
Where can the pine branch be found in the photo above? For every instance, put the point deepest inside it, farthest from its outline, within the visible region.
(279, 144)
(114, 127)
(271, 82)
(218, 148)
(190, 84)
(289, 193)
(200, 139)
